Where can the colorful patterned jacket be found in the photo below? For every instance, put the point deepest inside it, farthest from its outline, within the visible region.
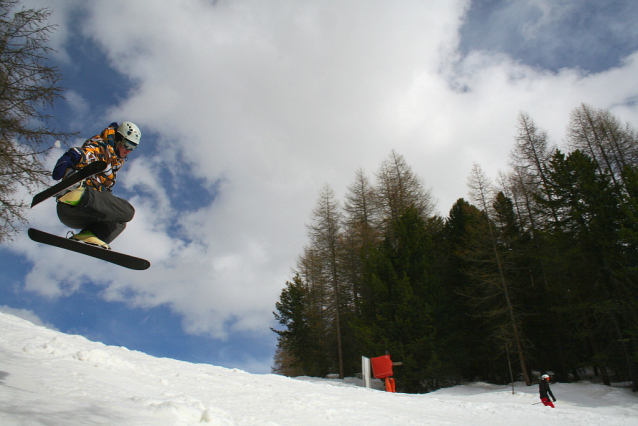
(99, 147)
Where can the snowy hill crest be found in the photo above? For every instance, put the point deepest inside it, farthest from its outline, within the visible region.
(49, 378)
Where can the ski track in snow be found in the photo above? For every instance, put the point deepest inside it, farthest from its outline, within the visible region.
(49, 378)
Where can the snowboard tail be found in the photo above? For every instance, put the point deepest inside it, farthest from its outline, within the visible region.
(111, 256)
(83, 173)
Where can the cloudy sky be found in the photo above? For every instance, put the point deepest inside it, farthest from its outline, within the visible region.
(247, 108)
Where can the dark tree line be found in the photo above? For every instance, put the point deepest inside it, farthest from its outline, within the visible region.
(536, 272)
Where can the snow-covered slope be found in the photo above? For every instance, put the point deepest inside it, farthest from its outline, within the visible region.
(49, 378)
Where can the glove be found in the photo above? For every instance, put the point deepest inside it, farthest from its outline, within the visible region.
(69, 159)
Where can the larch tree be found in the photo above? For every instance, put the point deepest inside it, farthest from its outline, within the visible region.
(28, 86)
(325, 233)
(398, 189)
(360, 231)
(481, 193)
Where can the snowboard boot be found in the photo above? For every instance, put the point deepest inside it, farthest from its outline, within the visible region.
(73, 196)
(89, 238)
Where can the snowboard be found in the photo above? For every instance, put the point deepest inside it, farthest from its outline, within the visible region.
(83, 173)
(120, 259)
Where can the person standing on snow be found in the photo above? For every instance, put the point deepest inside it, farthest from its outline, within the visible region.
(90, 206)
(545, 391)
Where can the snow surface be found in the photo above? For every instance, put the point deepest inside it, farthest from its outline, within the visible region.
(50, 378)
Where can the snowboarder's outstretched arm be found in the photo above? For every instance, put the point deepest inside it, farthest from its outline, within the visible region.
(68, 160)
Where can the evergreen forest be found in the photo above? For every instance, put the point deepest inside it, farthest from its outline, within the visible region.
(536, 271)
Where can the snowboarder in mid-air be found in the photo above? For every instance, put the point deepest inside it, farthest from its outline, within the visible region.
(84, 198)
(545, 391)
(89, 205)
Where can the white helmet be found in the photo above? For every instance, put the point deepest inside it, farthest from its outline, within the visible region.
(130, 132)
(545, 377)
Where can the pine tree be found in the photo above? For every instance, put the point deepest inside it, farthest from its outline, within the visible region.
(399, 315)
(474, 351)
(298, 347)
(589, 229)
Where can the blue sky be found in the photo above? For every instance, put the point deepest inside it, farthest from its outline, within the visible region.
(589, 35)
(248, 108)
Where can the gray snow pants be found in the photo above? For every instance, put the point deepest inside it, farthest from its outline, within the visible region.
(102, 213)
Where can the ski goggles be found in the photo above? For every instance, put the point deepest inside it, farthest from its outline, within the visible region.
(129, 145)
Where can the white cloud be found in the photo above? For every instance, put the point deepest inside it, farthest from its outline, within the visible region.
(275, 99)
